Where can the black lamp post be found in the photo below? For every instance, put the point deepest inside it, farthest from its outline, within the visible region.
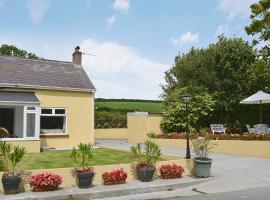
(186, 98)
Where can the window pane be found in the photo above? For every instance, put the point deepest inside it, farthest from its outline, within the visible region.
(30, 125)
(52, 124)
(46, 111)
(60, 111)
(31, 108)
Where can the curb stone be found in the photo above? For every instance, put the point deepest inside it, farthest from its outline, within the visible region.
(101, 191)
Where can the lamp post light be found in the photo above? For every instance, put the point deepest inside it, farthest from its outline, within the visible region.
(186, 98)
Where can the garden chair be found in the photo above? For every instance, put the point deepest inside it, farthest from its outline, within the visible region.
(217, 128)
(250, 130)
(261, 128)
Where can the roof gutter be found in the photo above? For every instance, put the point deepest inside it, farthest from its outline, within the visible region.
(24, 86)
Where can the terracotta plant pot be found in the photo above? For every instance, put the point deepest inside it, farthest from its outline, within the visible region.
(45, 188)
(114, 182)
(173, 176)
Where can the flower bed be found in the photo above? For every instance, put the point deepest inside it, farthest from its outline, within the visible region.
(243, 136)
(44, 181)
(171, 171)
(114, 177)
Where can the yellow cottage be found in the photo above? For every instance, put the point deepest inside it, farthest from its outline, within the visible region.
(45, 103)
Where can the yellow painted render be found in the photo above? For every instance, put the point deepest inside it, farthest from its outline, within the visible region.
(259, 149)
(112, 133)
(140, 125)
(31, 146)
(80, 116)
(69, 179)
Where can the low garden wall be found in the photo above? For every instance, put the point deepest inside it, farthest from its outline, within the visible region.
(112, 133)
(260, 149)
(69, 180)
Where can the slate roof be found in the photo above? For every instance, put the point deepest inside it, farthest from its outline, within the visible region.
(20, 72)
(23, 97)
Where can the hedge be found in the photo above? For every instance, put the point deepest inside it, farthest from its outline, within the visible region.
(105, 119)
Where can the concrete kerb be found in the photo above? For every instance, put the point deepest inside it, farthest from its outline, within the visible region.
(101, 191)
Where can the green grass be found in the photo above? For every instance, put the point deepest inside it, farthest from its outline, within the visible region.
(60, 159)
(129, 106)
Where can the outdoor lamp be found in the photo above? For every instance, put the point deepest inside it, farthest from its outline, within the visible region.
(186, 98)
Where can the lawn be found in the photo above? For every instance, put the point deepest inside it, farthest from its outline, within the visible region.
(60, 159)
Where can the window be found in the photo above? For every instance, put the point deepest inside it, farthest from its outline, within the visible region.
(53, 120)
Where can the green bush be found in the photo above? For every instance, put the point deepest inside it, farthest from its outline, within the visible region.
(105, 119)
(200, 109)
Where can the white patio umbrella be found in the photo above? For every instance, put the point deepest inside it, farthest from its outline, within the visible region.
(258, 98)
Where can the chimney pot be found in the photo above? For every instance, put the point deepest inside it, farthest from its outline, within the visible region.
(77, 56)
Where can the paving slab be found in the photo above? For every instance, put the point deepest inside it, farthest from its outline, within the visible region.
(101, 191)
(232, 172)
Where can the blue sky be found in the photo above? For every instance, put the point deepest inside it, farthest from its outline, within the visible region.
(134, 41)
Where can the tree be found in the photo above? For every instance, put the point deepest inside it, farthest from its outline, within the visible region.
(260, 25)
(200, 108)
(229, 71)
(8, 50)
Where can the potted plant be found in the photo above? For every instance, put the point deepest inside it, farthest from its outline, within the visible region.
(171, 171)
(114, 177)
(11, 178)
(82, 156)
(145, 167)
(202, 163)
(44, 181)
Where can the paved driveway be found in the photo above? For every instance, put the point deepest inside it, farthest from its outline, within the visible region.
(231, 172)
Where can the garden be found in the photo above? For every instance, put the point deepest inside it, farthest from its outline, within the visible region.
(18, 166)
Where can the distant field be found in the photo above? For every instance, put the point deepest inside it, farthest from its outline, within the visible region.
(130, 106)
(127, 105)
(112, 113)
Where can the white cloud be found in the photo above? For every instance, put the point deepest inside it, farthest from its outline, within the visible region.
(110, 21)
(187, 38)
(121, 5)
(235, 8)
(37, 10)
(119, 72)
(222, 29)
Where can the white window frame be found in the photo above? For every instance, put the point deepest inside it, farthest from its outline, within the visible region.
(36, 111)
(53, 115)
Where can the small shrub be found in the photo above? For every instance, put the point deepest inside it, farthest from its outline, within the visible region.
(152, 154)
(44, 182)
(82, 156)
(151, 135)
(114, 177)
(170, 171)
(11, 155)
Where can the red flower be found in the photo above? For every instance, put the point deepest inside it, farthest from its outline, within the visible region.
(117, 175)
(44, 180)
(171, 171)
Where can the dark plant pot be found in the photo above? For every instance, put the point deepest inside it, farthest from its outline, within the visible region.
(202, 167)
(145, 174)
(84, 179)
(11, 184)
